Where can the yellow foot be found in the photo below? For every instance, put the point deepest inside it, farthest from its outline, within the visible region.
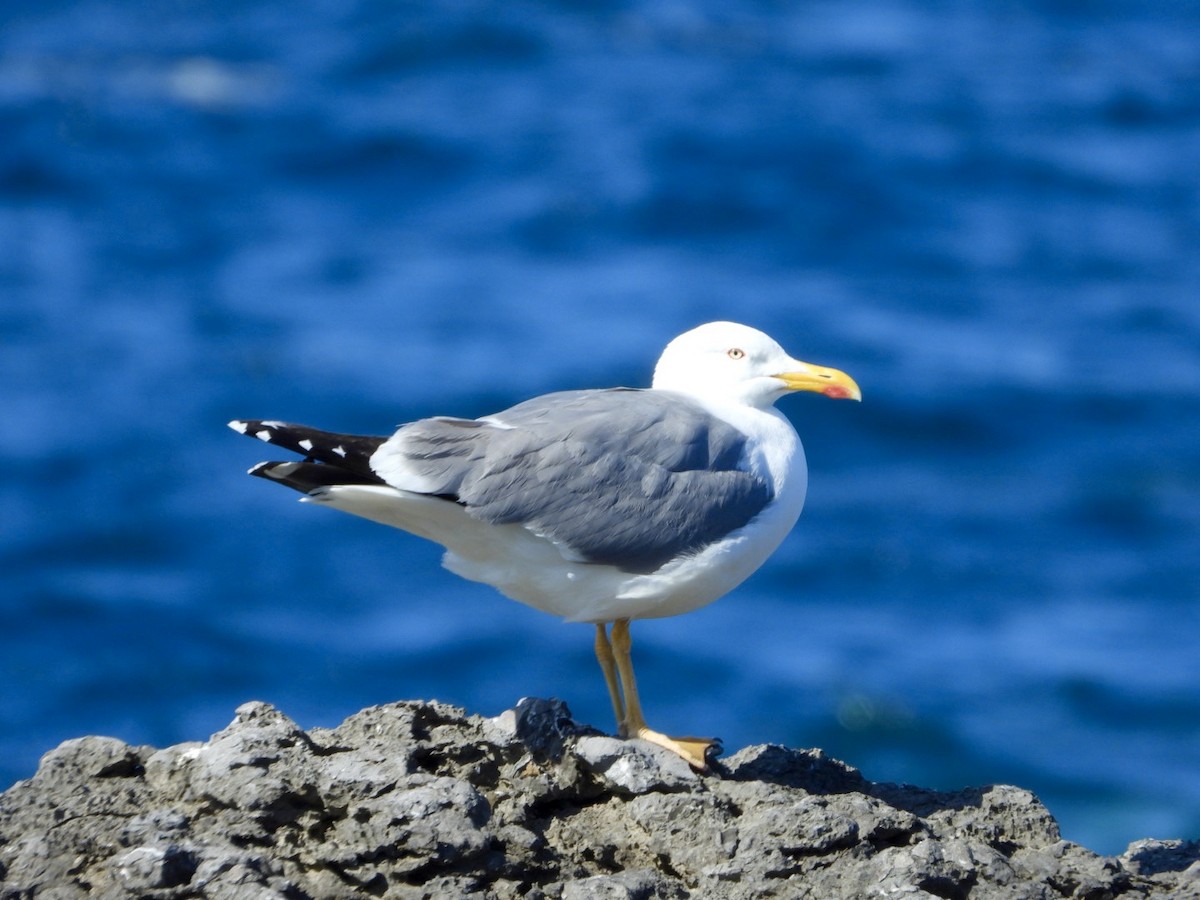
(694, 750)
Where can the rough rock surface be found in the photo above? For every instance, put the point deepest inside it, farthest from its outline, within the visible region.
(422, 800)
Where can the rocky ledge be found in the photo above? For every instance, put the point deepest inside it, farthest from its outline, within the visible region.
(422, 800)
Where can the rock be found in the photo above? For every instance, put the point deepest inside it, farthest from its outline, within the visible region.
(421, 800)
(154, 867)
(634, 767)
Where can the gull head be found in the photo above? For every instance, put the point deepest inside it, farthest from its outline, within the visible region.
(724, 362)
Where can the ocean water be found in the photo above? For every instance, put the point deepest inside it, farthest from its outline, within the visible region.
(354, 214)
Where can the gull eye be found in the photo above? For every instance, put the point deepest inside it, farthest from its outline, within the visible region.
(735, 353)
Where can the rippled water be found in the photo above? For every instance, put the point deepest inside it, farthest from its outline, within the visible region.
(356, 214)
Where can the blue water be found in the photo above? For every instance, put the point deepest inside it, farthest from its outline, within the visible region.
(354, 214)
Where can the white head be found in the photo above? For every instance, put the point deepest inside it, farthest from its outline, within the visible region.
(727, 362)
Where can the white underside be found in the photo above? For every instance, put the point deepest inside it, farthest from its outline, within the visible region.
(535, 571)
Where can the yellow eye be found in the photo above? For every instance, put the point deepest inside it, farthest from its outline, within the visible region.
(736, 353)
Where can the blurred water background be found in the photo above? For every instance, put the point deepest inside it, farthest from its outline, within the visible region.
(353, 214)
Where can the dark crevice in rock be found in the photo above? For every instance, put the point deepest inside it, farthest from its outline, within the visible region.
(544, 811)
(948, 888)
(882, 838)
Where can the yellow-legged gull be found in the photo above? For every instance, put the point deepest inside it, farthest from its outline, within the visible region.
(600, 506)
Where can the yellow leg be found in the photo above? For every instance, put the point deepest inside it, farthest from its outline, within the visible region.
(604, 653)
(633, 724)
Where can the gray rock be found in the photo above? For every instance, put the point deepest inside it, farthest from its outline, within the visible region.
(421, 800)
(143, 868)
(634, 767)
(635, 885)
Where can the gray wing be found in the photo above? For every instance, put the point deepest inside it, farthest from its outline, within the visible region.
(629, 478)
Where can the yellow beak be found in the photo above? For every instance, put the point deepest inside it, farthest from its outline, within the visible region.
(830, 382)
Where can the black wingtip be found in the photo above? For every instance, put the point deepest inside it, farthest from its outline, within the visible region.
(307, 477)
(347, 455)
(269, 432)
(278, 471)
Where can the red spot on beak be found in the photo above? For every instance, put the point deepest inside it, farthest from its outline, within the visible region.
(836, 391)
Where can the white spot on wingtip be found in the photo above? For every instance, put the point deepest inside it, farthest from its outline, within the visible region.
(276, 470)
(238, 425)
(339, 450)
(306, 444)
(274, 424)
(263, 435)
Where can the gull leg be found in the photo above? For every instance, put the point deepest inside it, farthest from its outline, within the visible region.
(633, 725)
(608, 664)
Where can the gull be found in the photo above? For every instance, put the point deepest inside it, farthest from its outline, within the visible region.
(598, 506)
